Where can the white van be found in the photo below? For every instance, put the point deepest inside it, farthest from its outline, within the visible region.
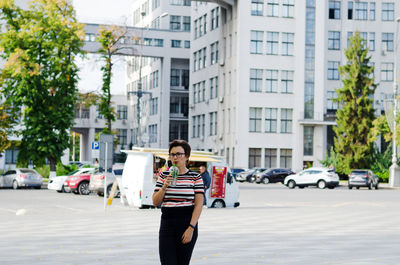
(143, 166)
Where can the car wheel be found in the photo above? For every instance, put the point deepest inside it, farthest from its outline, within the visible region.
(321, 184)
(371, 185)
(252, 179)
(15, 185)
(350, 187)
(266, 180)
(218, 204)
(83, 188)
(377, 186)
(358, 188)
(291, 184)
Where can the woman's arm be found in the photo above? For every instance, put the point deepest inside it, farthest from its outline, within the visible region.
(198, 206)
(158, 196)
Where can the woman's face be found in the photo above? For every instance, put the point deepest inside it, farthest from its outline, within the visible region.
(177, 156)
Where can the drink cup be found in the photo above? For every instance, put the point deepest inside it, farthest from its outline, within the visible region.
(174, 173)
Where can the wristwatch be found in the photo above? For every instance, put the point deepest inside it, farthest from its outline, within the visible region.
(192, 226)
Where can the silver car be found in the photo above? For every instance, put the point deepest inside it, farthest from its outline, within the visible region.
(21, 177)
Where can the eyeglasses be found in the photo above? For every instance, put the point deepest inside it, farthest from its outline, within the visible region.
(178, 155)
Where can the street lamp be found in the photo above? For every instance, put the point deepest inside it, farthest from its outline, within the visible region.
(394, 179)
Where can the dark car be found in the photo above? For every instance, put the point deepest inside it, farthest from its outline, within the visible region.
(249, 175)
(273, 175)
(363, 178)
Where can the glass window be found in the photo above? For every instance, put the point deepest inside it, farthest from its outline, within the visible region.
(11, 156)
(175, 75)
(211, 119)
(186, 23)
(153, 106)
(257, 7)
(153, 133)
(286, 120)
(387, 72)
(254, 157)
(176, 43)
(271, 81)
(185, 79)
(308, 140)
(271, 115)
(333, 40)
(287, 43)
(287, 8)
(122, 112)
(387, 11)
(287, 81)
(333, 72)
(272, 42)
(256, 42)
(331, 103)
(255, 119)
(175, 23)
(158, 42)
(371, 41)
(361, 11)
(122, 136)
(372, 11)
(256, 80)
(286, 158)
(187, 44)
(350, 10)
(270, 158)
(334, 10)
(273, 8)
(387, 41)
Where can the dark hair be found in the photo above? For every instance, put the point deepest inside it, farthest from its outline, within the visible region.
(182, 143)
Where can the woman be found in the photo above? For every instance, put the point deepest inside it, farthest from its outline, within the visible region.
(181, 207)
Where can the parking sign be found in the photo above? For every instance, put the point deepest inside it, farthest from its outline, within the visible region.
(95, 145)
(95, 150)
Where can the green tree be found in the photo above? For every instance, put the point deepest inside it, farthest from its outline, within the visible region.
(8, 120)
(39, 45)
(354, 139)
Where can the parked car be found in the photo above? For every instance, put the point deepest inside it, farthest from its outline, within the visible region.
(97, 180)
(21, 177)
(273, 175)
(79, 184)
(363, 178)
(79, 163)
(57, 183)
(236, 171)
(249, 175)
(315, 176)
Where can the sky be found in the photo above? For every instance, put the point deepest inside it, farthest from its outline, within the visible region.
(102, 12)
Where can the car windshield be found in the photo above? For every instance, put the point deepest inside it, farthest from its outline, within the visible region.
(73, 172)
(359, 172)
(331, 171)
(27, 171)
(118, 172)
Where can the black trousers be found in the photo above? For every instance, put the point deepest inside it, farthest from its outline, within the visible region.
(174, 222)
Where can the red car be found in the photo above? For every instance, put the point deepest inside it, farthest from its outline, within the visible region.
(79, 184)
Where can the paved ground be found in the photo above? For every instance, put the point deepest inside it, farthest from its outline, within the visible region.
(273, 225)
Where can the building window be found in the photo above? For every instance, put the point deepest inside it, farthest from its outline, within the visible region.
(256, 80)
(372, 11)
(332, 105)
(153, 106)
(333, 72)
(186, 23)
(273, 8)
(334, 10)
(211, 83)
(271, 81)
(175, 23)
(179, 2)
(213, 47)
(155, 4)
(98, 116)
(122, 112)
(215, 18)
(175, 75)
(187, 44)
(371, 41)
(286, 158)
(271, 120)
(122, 136)
(270, 158)
(195, 62)
(254, 157)
(308, 140)
(153, 133)
(158, 42)
(333, 40)
(287, 81)
(185, 79)
(361, 11)
(387, 11)
(387, 41)
(211, 119)
(257, 7)
(85, 113)
(255, 119)
(176, 44)
(387, 72)
(11, 156)
(286, 120)
(350, 10)
(256, 42)
(272, 42)
(287, 8)
(287, 43)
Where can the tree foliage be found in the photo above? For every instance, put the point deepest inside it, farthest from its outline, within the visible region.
(354, 139)
(39, 45)
(8, 120)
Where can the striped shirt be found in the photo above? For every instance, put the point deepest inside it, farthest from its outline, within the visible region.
(187, 185)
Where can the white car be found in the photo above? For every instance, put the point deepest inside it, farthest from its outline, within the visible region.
(57, 183)
(316, 176)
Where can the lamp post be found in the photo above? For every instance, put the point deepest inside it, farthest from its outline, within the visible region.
(394, 179)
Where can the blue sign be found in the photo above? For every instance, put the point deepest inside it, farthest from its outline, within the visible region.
(95, 145)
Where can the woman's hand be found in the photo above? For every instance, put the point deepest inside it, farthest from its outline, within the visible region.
(167, 182)
(187, 236)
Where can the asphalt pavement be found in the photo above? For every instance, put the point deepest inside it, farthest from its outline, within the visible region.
(273, 225)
